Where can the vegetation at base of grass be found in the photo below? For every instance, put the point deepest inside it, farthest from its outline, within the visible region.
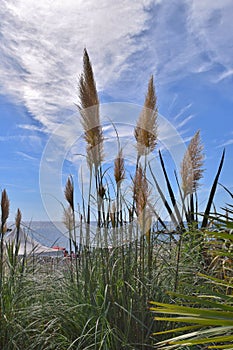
(206, 318)
(98, 298)
(43, 306)
(106, 309)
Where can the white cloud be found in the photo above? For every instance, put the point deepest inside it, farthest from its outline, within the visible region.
(224, 75)
(42, 43)
(21, 138)
(26, 156)
(211, 26)
(226, 143)
(185, 121)
(182, 111)
(30, 127)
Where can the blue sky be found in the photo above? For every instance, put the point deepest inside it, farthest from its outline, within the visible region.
(187, 45)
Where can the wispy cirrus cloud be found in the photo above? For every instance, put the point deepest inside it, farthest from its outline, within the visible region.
(42, 45)
(185, 121)
(19, 138)
(226, 143)
(26, 156)
(226, 74)
(182, 111)
(30, 127)
(42, 42)
(211, 25)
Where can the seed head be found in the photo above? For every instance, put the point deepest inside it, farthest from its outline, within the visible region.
(89, 110)
(119, 168)
(192, 165)
(146, 131)
(18, 219)
(69, 192)
(5, 204)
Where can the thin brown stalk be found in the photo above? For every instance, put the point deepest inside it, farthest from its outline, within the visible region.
(146, 131)
(192, 165)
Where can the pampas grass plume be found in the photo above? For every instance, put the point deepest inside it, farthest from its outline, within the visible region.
(146, 132)
(5, 205)
(192, 165)
(69, 192)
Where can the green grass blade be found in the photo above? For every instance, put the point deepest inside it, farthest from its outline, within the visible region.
(170, 191)
(174, 330)
(197, 320)
(212, 192)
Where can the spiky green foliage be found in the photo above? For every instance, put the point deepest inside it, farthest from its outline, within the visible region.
(209, 318)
